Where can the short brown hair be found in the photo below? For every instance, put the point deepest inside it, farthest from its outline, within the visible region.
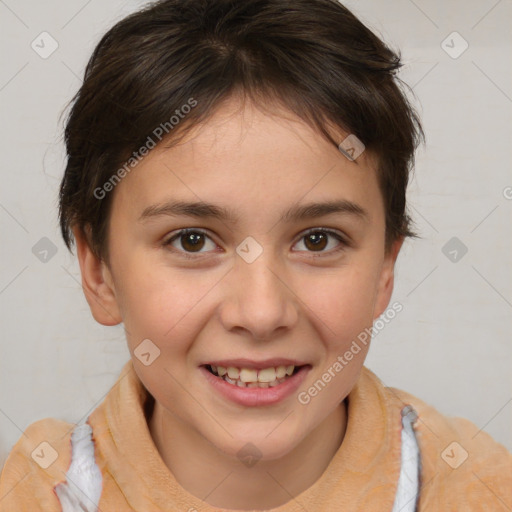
(314, 57)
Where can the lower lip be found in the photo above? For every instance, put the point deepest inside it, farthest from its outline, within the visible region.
(254, 397)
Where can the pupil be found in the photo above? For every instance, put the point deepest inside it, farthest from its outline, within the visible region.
(318, 239)
(192, 241)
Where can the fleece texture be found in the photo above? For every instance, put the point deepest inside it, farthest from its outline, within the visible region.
(460, 467)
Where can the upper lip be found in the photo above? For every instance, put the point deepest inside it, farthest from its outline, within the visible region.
(257, 365)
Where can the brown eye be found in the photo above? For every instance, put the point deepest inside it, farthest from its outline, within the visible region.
(190, 241)
(316, 241)
(323, 241)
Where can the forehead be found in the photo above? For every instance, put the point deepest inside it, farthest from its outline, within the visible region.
(251, 162)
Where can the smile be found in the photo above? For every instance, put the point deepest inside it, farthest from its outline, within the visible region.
(253, 378)
(255, 387)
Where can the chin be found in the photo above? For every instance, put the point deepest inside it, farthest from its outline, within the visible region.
(258, 446)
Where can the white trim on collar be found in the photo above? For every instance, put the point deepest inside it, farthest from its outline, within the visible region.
(82, 490)
(407, 494)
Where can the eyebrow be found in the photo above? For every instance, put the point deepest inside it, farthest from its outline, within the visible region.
(203, 210)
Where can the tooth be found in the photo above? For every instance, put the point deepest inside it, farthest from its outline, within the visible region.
(227, 379)
(289, 369)
(233, 373)
(241, 384)
(252, 384)
(263, 384)
(221, 370)
(248, 375)
(267, 375)
(273, 383)
(214, 369)
(281, 372)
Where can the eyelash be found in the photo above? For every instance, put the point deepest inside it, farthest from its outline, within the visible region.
(344, 243)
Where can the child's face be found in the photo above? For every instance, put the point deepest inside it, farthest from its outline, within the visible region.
(299, 301)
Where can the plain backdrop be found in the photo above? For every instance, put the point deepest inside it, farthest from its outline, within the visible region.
(450, 345)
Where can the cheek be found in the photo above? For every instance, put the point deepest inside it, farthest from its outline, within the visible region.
(162, 304)
(343, 301)
(146, 304)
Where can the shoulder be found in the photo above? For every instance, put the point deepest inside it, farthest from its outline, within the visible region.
(461, 464)
(37, 462)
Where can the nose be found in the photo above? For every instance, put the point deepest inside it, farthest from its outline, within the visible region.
(258, 300)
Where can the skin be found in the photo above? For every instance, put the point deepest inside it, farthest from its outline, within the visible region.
(294, 300)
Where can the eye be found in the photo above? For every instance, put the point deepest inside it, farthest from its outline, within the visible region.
(191, 241)
(317, 240)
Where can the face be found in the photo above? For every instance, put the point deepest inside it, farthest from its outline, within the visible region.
(261, 279)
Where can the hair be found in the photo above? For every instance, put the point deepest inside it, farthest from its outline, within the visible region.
(313, 57)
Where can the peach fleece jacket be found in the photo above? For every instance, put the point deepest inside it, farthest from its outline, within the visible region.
(461, 467)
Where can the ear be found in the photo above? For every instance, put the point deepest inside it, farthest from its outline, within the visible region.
(97, 283)
(387, 277)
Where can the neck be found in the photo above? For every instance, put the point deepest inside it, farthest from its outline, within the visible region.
(234, 486)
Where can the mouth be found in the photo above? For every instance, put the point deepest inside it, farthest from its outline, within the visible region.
(251, 377)
(255, 383)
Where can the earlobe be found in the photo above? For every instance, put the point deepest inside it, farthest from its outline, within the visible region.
(97, 283)
(387, 278)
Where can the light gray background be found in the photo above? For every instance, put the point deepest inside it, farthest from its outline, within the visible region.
(451, 343)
